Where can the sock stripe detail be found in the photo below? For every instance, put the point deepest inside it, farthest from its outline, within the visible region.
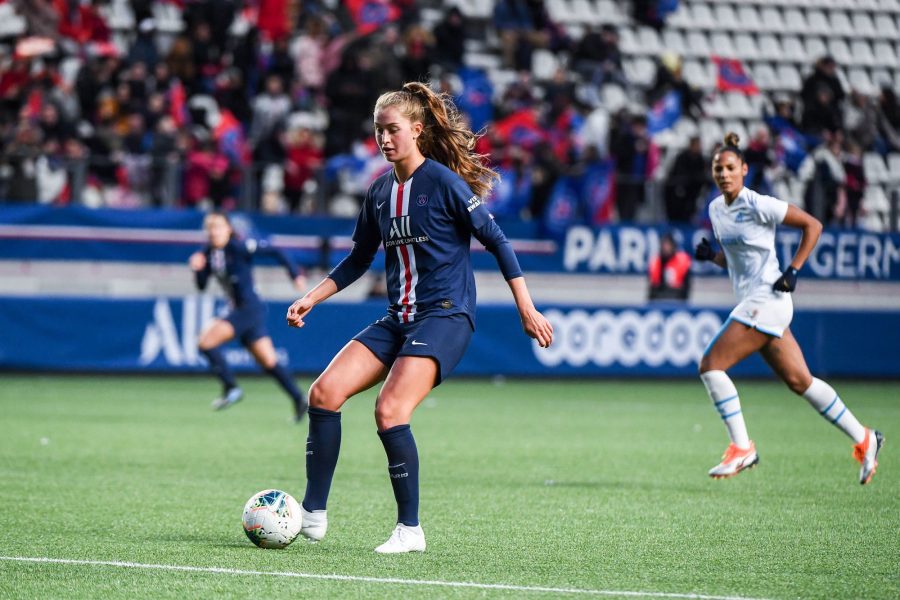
(840, 414)
(729, 399)
(729, 415)
(836, 398)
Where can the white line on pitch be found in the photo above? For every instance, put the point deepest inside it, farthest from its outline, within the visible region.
(385, 580)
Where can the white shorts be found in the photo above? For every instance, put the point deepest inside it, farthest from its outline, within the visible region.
(767, 311)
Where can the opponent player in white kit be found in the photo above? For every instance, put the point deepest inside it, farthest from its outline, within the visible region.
(744, 224)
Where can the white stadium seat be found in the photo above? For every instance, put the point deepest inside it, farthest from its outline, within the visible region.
(772, 20)
(584, 12)
(862, 53)
(648, 41)
(771, 49)
(698, 45)
(721, 44)
(893, 165)
(885, 54)
(886, 26)
(839, 49)
(789, 78)
(876, 170)
(725, 16)
(698, 75)
(745, 47)
(794, 50)
(673, 41)
(794, 21)
(817, 22)
(544, 64)
(815, 49)
(702, 17)
(764, 76)
(840, 24)
(749, 18)
(859, 81)
(863, 25)
(610, 12)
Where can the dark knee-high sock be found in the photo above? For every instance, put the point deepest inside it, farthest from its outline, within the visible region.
(219, 367)
(403, 467)
(322, 448)
(287, 383)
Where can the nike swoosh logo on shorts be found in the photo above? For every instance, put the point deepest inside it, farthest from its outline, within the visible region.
(415, 343)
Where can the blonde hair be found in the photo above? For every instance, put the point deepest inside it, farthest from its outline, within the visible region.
(444, 138)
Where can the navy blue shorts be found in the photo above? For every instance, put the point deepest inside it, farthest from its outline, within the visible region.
(443, 338)
(249, 323)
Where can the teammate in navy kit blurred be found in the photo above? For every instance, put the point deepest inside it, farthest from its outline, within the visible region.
(425, 212)
(230, 260)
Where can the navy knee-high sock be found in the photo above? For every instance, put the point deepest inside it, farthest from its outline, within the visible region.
(219, 367)
(322, 448)
(287, 383)
(403, 467)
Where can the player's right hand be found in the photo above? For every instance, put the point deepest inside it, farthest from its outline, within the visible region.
(704, 251)
(197, 261)
(298, 310)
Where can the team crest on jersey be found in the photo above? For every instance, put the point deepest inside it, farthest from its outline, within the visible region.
(422, 200)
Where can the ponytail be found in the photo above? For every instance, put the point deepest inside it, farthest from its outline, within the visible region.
(731, 142)
(444, 138)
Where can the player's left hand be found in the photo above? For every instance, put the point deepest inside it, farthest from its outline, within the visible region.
(299, 309)
(538, 327)
(787, 282)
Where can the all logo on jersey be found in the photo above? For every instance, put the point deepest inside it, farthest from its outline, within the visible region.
(401, 233)
(400, 227)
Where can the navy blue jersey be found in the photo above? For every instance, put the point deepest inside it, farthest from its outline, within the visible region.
(233, 267)
(426, 225)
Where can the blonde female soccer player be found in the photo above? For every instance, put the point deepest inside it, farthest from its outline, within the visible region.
(424, 212)
(744, 224)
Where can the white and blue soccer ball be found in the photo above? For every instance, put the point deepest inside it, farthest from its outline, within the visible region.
(272, 519)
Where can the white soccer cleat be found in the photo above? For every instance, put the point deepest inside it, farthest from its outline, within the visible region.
(404, 539)
(734, 461)
(232, 396)
(866, 453)
(314, 524)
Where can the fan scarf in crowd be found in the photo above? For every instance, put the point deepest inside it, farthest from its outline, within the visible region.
(731, 76)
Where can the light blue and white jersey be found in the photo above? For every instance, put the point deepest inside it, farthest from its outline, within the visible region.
(746, 232)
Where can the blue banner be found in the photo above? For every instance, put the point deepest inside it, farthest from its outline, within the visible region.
(170, 236)
(160, 336)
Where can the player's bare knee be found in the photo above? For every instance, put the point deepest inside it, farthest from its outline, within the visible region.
(389, 414)
(322, 394)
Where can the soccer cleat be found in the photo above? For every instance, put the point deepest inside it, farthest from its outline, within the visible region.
(314, 524)
(734, 461)
(866, 454)
(232, 396)
(404, 539)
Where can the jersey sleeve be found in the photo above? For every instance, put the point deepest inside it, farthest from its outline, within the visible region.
(366, 239)
(769, 210)
(265, 248)
(201, 277)
(476, 217)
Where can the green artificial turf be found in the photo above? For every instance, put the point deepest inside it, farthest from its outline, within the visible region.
(596, 485)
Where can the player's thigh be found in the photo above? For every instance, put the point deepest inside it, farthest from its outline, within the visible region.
(786, 359)
(354, 369)
(407, 384)
(263, 350)
(736, 342)
(218, 332)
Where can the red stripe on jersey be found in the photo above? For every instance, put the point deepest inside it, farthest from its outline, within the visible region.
(404, 253)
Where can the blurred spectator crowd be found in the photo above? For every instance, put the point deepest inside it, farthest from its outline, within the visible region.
(266, 105)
